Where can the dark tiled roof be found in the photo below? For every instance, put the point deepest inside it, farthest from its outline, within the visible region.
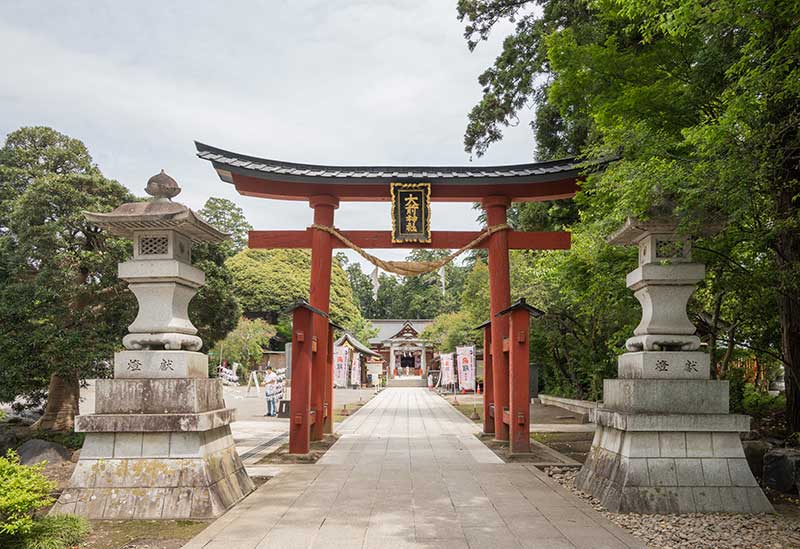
(356, 344)
(265, 168)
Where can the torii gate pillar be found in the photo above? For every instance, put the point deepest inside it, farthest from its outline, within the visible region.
(320, 298)
(499, 299)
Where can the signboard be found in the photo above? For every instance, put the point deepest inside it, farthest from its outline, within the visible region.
(411, 212)
(466, 367)
(340, 366)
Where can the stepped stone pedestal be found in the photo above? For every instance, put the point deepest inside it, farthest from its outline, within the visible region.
(159, 445)
(665, 442)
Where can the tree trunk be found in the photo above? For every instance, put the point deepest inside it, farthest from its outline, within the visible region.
(790, 340)
(788, 252)
(63, 396)
(726, 359)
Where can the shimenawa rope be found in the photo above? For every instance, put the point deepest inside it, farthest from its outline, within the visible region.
(411, 268)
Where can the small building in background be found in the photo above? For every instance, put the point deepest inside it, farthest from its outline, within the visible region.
(363, 355)
(403, 353)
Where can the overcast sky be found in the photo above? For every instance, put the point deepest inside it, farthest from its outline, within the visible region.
(330, 82)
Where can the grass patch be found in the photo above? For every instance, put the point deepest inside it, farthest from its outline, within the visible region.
(130, 534)
(316, 451)
(55, 532)
(467, 410)
(339, 414)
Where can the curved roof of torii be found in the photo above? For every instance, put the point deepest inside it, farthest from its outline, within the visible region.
(267, 178)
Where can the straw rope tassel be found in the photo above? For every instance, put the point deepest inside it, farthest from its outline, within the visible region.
(411, 268)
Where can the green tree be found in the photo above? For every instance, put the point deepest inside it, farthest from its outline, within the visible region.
(450, 330)
(700, 103)
(361, 284)
(63, 308)
(245, 344)
(269, 281)
(229, 218)
(215, 310)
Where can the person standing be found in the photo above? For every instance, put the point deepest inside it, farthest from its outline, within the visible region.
(270, 389)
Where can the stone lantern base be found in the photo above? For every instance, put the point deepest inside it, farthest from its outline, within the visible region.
(669, 446)
(156, 449)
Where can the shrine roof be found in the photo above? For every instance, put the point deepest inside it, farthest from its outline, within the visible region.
(388, 328)
(356, 344)
(268, 178)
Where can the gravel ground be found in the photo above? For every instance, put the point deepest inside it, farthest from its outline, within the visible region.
(695, 530)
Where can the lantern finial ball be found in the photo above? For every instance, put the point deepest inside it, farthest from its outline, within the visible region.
(162, 186)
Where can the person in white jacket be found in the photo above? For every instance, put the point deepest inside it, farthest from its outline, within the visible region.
(270, 392)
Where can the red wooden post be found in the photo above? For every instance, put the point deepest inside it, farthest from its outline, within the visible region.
(488, 386)
(320, 297)
(300, 406)
(499, 299)
(328, 404)
(519, 381)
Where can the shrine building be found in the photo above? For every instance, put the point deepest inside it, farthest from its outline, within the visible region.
(403, 352)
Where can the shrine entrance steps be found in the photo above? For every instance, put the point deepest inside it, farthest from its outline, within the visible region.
(409, 472)
(407, 382)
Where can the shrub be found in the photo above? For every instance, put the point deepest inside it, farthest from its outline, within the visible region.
(23, 489)
(761, 404)
(55, 532)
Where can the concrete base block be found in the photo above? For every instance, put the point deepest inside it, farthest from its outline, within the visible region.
(664, 365)
(158, 396)
(670, 472)
(194, 475)
(160, 364)
(666, 396)
(145, 423)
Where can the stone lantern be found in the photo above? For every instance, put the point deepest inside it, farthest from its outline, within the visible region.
(159, 444)
(665, 441)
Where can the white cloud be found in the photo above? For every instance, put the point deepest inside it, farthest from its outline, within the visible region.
(338, 83)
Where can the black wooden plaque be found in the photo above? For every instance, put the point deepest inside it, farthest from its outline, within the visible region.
(411, 212)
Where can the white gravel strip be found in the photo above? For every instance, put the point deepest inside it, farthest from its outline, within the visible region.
(695, 530)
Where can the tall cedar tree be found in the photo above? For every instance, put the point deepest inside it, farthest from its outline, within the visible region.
(701, 103)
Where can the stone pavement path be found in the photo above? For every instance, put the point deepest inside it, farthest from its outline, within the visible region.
(409, 472)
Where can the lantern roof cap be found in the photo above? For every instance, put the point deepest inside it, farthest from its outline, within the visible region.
(634, 230)
(159, 213)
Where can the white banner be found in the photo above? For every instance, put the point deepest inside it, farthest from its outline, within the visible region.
(448, 377)
(341, 362)
(355, 371)
(466, 367)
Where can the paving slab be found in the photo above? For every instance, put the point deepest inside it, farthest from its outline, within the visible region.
(408, 471)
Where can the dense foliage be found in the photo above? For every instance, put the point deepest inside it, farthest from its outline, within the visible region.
(268, 282)
(699, 104)
(23, 490)
(423, 296)
(245, 344)
(64, 310)
(51, 532)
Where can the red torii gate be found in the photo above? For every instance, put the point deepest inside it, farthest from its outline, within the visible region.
(495, 188)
